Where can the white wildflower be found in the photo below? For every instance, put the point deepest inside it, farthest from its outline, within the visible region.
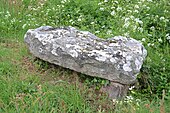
(162, 18)
(160, 40)
(92, 23)
(166, 11)
(100, 3)
(30, 7)
(7, 12)
(131, 87)
(105, 0)
(116, 2)
(136, 11)
(166, 20)
(167, 34)
(103, 26)
(144, 5)
(149, 0)
(97, 31)
(109, 31)
(129, 11)
(114, 101)
(127, 19)
(119, 8)
(167, 37)
(13, 20)
(132, 17)
(134, 28)
(136, 6)
(152, 28)
(126, 34)
(140, 29)
(24, 26)
(138, 21)
(101, 9)
(79, 19)
(112, 13)
(70, 20)
(126, 25)
(129, 99)
(113, 7)
(156, 16)
(149, 44)
(143, 39)
(149, 34)
(63, 1)
(148, 8)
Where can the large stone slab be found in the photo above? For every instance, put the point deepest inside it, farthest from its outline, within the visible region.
(118, 59)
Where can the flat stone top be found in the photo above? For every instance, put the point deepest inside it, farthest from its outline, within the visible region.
(126, 55)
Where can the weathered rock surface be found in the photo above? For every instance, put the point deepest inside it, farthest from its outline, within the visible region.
(118, 59)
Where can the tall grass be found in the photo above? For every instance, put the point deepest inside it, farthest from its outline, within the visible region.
(28, 85)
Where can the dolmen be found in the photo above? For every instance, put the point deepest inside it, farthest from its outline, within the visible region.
(118, 59)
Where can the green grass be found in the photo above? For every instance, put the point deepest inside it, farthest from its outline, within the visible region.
(29, 85)
(32, 85)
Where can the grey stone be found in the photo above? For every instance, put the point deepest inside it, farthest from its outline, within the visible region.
(118, 59)
(115, 90)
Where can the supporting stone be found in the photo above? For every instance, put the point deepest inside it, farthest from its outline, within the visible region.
(115, 90)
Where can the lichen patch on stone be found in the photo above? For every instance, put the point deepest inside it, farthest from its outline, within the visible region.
(120, 57)
(127, 67)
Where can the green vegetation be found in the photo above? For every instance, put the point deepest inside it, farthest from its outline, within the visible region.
(30, 85)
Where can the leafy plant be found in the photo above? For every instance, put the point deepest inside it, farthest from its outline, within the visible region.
(144, 20)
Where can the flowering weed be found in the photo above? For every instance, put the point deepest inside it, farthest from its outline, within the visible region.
(145, 20)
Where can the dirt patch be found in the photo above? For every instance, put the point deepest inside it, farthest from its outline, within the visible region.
(10, 44)
(55, 75)
(28, 65)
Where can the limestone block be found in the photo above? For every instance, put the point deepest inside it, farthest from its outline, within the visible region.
(118, 59)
